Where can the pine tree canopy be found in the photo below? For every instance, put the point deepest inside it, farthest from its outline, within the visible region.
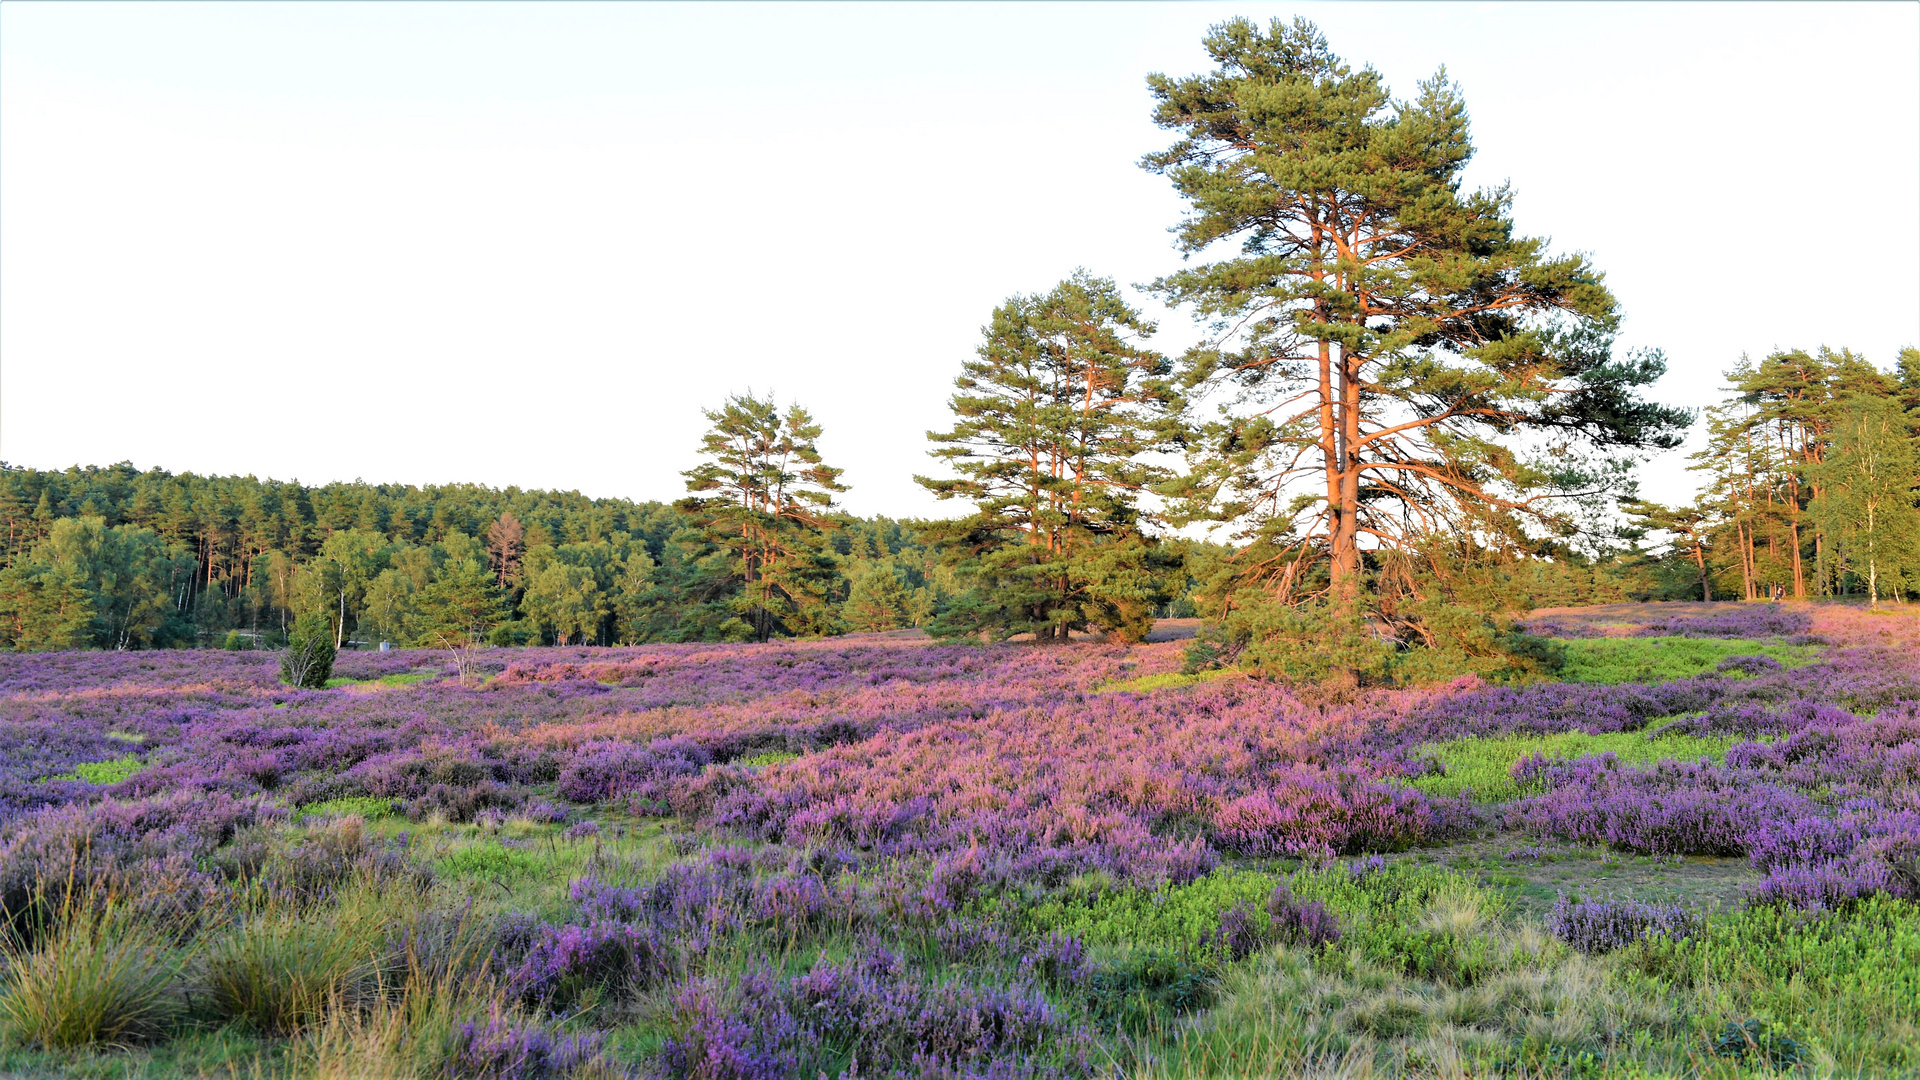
(1391, 358)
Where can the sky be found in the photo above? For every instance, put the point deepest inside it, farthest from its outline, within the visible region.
(525, 244)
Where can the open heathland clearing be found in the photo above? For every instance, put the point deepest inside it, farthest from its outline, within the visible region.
(890, 857)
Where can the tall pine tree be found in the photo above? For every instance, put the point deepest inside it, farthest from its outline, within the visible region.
(1392, 359)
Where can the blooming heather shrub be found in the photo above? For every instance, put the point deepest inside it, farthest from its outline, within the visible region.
(1294, 922)
(874, 1010)
(1744, 621)
(1244, 928)
(140, 850)
(501, 1050)
(1240, 932)
(1597, 926)
(1748, 665)
(565, 961)
(606, 770)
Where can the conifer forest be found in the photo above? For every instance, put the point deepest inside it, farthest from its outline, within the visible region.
(1323, 700)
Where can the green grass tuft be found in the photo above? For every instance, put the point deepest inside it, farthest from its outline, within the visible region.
(488, 859)
(771, 757)
(99, 977)
(407, 678)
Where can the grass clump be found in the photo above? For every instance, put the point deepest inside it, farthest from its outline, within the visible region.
(489, 859)
(405, 678)
(1662, 659)
(97, 976)
(279, 969)
(1484, 765)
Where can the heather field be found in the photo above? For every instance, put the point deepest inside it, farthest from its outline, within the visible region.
(1695, 854)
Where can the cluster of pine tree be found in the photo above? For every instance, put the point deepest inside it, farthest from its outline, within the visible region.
(1812, 471)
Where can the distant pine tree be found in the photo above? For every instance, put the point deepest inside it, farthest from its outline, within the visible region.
(1053, 418)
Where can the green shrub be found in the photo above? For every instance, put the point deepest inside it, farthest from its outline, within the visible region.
(234, 642)
(307, 661)
(98, 977)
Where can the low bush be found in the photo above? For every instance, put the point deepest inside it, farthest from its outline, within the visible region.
(307, 661)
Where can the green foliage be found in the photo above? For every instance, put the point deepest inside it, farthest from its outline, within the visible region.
(1484, 766)
(90, 584)
(1660, 659)
(771, 757)
(458, 608)
(1052, 419)
(279, 969)
(100, 976)
(1850, 978)
(307, 661)
(1315, 640)
(878, 599)
(1168, 920)
(1165, 681)
(488, 859)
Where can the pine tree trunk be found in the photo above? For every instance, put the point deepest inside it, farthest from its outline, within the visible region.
(1345, 570)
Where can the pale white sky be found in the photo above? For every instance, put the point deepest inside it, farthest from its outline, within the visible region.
(524, 244)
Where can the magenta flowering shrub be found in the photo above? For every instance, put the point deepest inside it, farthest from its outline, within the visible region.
(563, 960)
(979, 767)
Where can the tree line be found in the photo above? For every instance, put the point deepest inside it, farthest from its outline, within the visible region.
(115, 557)
(1408, 423)
(1810, 468)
